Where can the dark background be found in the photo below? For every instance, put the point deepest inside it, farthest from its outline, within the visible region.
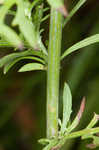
(23, 95)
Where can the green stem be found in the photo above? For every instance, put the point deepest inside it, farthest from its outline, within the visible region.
(53, 73)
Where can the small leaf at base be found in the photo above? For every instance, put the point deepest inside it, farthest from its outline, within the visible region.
(31, 67)
(67, 107)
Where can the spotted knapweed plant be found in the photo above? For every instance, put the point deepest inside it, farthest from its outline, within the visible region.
(28, 44)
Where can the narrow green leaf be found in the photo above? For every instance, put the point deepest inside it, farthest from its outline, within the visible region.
(31, 67)
(44, 141)
(33, 5)
(78, 117)
(45, 18)
(38, 17)
(67, 107)
(4, 44)
(17, 55)
(92, 123)
(88, 41)
(13, 62)
(74, 10)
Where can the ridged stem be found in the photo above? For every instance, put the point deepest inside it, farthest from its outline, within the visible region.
(53, 73)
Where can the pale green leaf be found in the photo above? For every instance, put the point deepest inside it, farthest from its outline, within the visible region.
(88, 41)
(10, 35)
(74, 10)
(67, 107)
(7, 4)
(38, 17)
(31, 67)
(6, 31)
(25, 25)
(13, 62)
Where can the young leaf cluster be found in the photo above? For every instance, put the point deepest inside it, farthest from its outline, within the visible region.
(29, 37)
(65, 130)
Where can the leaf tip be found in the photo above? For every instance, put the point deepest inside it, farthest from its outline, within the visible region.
(82, 107)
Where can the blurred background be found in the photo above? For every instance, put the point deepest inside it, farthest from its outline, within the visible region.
(23, 95)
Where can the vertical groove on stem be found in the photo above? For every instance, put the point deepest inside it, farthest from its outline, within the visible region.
(53, 72)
